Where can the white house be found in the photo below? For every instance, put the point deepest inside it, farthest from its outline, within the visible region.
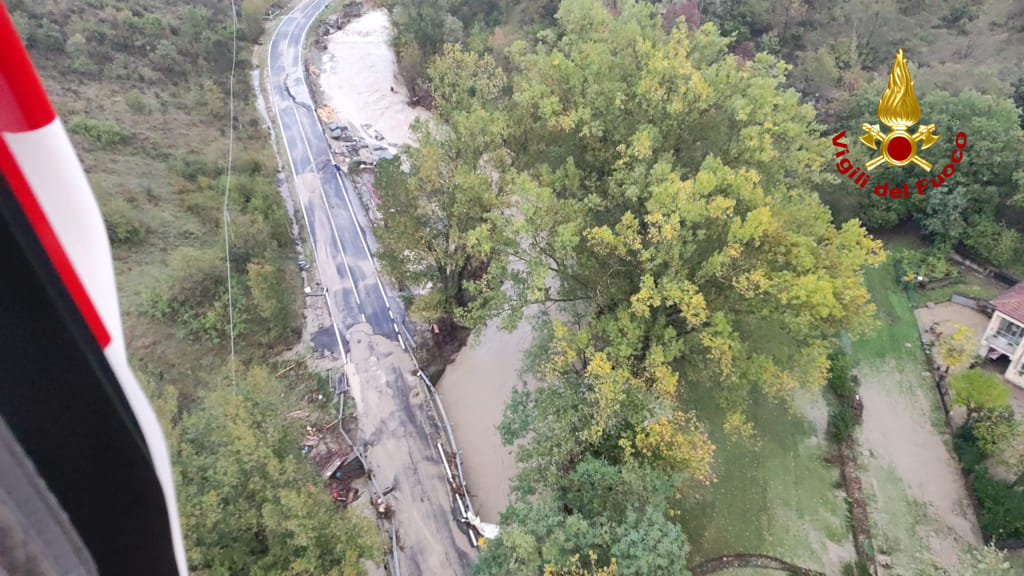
(1005, 333)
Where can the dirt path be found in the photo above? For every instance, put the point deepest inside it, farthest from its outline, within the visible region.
(898, 434)
(474, 389)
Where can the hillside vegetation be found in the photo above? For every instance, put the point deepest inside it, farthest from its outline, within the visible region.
(143, 89)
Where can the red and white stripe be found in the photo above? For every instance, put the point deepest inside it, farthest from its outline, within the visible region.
(43, 171)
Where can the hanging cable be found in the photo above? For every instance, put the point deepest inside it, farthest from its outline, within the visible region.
(227, 186)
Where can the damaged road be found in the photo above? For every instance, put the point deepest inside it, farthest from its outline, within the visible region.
(398, 431)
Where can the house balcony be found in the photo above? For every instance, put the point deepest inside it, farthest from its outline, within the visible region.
(1003, 342)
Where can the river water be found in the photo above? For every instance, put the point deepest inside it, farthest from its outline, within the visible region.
(358, 77)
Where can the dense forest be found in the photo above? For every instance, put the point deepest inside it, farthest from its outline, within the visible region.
(659, 172)
(143, 89)
(965, 59)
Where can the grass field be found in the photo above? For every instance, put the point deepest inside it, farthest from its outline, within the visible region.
(779, 497)
(891, 361)
(897, 327)
(896, 323)
(972, 285)
(1016, 558)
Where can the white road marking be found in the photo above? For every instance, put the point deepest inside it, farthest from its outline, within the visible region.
(312, 161)
(327, 206)
(295, 178)
(344, 191)
(330, 310)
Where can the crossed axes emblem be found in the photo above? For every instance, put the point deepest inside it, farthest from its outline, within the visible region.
(901, 156)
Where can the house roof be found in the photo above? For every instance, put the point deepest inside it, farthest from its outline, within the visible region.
(1011, 302)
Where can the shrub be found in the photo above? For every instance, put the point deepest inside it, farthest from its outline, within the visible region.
(1001, 505)
(213, 324)
(192, 166)
(843, 388)
(254, 165)
(44, 34)
(965, 444)
(272, 298)
(104, 132)
(136, 102)
(194, 278)
(930, 264)
(840, 381)
(250, 238)
(994, 242)
(994, 428)
(124, 226)
(841, 422)
(880, 215)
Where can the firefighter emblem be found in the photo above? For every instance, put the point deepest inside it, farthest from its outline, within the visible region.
(899, 110)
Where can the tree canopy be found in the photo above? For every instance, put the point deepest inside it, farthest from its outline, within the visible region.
(667, 184)
(978, 390)
(662, 193)
(444, 230)
(249, 502)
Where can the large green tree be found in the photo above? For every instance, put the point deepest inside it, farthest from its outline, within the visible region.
(665, 194)
(443, 200)
(978, 390)
(620, 514)
(670, 188)
(250, 504)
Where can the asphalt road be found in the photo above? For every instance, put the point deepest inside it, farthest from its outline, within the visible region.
(336, 222)
(395, 413)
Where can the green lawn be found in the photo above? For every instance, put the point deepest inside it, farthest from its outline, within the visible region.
(972, 285)
(898, 519)
(1016, 558)
(896, 323)
(778, 498)
(897, 327)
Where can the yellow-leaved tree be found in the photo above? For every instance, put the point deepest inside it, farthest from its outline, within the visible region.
(956, 348)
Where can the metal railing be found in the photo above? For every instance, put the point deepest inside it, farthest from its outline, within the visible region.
(459, 486)
(1004, 342)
